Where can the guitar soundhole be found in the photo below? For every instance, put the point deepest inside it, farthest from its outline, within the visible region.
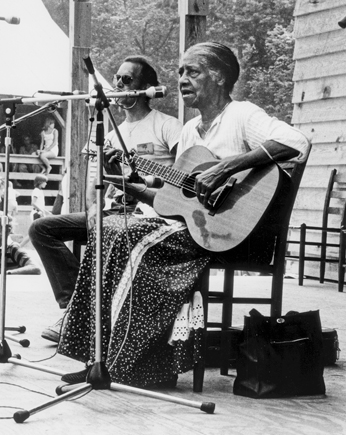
(188, 188)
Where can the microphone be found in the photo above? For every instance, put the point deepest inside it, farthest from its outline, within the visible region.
(152, 181)
(11, 19)
(62, 93)
(156, 92)
(152, 92)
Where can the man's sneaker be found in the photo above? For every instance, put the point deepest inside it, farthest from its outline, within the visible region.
(52, 333)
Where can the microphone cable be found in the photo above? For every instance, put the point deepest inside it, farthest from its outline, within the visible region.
(131, 271)
(91, 120)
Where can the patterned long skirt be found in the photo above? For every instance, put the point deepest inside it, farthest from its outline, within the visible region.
(150, 270)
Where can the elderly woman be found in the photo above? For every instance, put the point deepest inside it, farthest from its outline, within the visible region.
(152, 265)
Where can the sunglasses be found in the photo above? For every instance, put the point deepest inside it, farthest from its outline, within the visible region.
(125, 79)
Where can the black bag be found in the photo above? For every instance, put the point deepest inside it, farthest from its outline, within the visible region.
(280, 356)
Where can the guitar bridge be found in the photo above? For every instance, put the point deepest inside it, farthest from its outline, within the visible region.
(219, 196)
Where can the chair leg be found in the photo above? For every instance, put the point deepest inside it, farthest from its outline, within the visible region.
(227, 313)
(199, 368)
(301, 254)
(341, 277)
(323, 256)
(77, 250)
(276, 293)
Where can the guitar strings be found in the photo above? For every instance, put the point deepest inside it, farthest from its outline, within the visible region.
(177, 178)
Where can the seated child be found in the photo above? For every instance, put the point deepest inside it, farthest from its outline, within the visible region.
(19, 261)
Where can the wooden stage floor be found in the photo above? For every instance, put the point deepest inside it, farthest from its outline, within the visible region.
(30, 302)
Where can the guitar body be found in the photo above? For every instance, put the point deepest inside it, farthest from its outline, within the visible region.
(238, 215)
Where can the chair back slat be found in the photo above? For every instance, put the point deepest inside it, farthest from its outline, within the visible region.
(340, 194)
(335, 199)
(335, 210)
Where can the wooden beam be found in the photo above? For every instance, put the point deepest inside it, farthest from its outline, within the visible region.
(77, 131)
(304, 7)
(193, 23)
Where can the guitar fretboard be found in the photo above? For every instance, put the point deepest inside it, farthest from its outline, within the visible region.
(169, 175)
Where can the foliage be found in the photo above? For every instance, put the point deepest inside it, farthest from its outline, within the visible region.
(250, 28)
(148, 28)
(271, 86)
(259, 31)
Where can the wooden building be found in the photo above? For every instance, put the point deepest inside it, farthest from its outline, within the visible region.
(319, 99)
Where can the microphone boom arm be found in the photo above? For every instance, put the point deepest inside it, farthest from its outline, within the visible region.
(52, 107)
(152, 92)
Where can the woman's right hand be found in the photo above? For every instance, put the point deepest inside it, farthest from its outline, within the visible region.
(92, 216)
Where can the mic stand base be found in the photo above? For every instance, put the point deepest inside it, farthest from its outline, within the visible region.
(5, 352)
(21, 329)
(99, 377)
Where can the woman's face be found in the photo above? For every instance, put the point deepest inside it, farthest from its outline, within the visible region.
(196, 85)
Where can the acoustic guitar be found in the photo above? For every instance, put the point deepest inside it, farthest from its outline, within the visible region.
(236, 208)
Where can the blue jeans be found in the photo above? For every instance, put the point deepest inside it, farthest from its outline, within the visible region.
(48, 235)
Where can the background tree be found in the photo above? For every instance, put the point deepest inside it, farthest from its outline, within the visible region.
(259, 31)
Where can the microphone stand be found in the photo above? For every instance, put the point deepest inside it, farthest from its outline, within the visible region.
(5, 352)
(98, 377)
(9, 111)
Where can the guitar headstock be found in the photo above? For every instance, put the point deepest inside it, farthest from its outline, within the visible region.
(90, 154)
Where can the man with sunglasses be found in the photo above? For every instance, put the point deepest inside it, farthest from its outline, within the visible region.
(151, 133)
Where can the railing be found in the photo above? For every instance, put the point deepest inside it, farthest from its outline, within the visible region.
(33, 160)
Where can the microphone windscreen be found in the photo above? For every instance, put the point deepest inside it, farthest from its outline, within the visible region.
(156, 92)
(161, 91)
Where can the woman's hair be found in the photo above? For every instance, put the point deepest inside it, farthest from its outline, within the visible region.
(148, 74)
(219, 60)
(39, 179)
(47, 123)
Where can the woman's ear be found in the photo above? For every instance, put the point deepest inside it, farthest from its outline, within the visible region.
(221, 81)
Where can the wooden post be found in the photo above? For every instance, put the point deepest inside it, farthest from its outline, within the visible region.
(193, 23)
(77, 128)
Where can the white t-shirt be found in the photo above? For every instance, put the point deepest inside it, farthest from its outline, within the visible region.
(152, 137)
(40, 201)
(240, 128)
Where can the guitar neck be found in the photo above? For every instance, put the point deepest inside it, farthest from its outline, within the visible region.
(168, 174)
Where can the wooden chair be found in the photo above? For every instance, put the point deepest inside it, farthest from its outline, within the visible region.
(226, 297)
(325, 243)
